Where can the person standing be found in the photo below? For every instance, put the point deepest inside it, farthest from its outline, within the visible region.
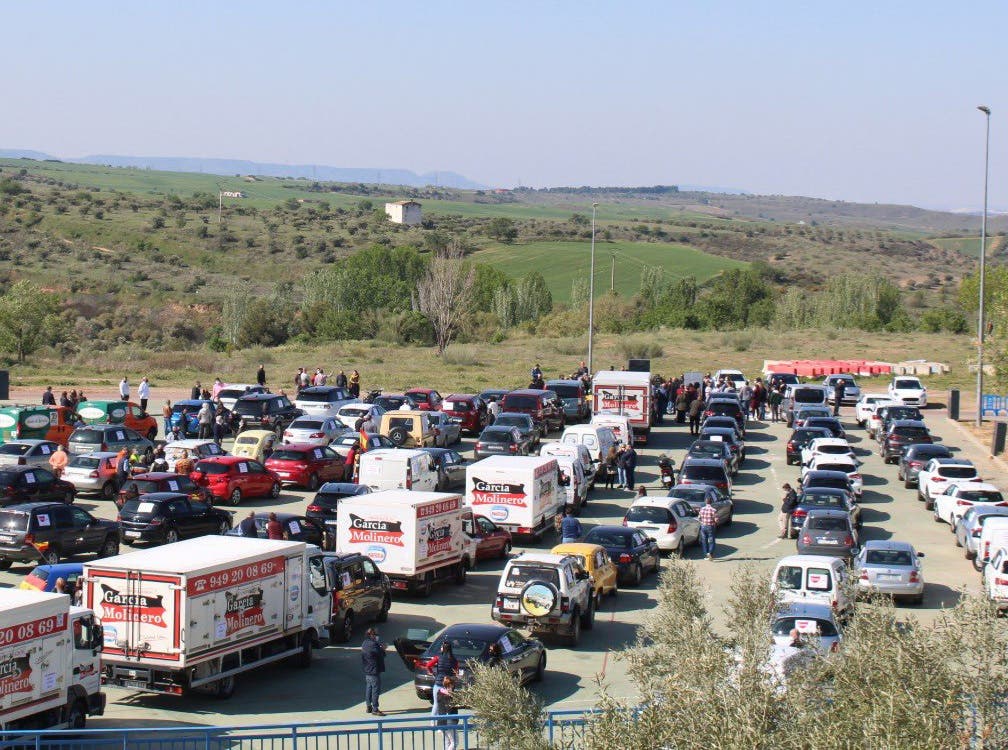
(609, 466)
(788, 504)
(48, 397)
(341, 380)
(166, 413)
(124, 389)
(58, 460)
(695, 410)
(355, 384)
(122, 466)
(143, 392)
(493, 409)
(261, 375)
(196, 392)
(708, 528)
(774, 398)
(350, 462)
(205, 419)
(629, 465)
(218, 384)
(247, 527)
(838, 393)
(443, 694)
(570, 527)
(274, 529)
(373, 660)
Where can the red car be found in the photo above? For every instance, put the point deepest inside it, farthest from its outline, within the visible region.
(305, 465)
(491, 540)
(232, 478)
(468, 408)
(162, 481)
(427, 399)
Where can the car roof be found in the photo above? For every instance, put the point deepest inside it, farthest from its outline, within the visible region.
(97, 454)
(311, 418)
(952, 461)
(420, 390)
(192, 402)
(155, 476)
(831, 441)
(824, 474)
(563, 381)
(527, 392)
(889, 545)
(18, 469)
(577, 548)
(299, 447)
(519, 414)
(344, 488)
(192, 442)
(976, 486)
(690, 461)
(28, 507)
(656, 501)
(497, 428)
(61, 568)
(928, 448)
(690, 486)
(909, 422)
(243, 433)
(158, 497)
(824, 490)
(809, 559)
(224, 459)
(827, 513)
(270, 396)
(460, 396)
(622, 530)
(28, 441)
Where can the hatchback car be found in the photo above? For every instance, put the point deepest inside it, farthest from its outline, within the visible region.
(185, 415)
(350, 414)
(729, 436)
(93, 473)
(706, 471)
(908, 390)
(902, 432)
(493, 394)
(835, 479)
(830, 446)
(913, 457)
(843, 464)
(109, 437)
(827, 532)
(166, 517)
(426, 399)
(27, 453)
(830, 423)
(30, 532)
(345, 441)
(306, 465)
(804, 413)
(523, 657)
(601, 569)
(491, 540)
(939, 473)
(394, 401)
(361, 592)
(672, 523)
(886, 415)
(322, 400)
(447, 430)
(161, 481)
(470, 410)
(264, 411)
(824, 498)
(722, 422)
(851, 392)
(727, 408)
(197, 449)
(233, 478)
(889, 567)
(800, 438)
(521, 422)
(322, 507)
(634, 552)
(716, 449)
(308, 430)
(27, 484)
(952, 503)
(296, 528)
(500, 441)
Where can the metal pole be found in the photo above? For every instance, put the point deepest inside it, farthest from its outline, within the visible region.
(983, 264)
(612, 275)
(591, 294)
(220, 205)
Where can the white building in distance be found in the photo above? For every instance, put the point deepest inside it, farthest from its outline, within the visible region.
(403, 212)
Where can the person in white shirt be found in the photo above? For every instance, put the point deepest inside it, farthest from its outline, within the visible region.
(143, 391)
(124, 389)
(493, 409)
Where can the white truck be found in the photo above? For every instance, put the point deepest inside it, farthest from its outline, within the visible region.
(519, 493)
(625, 392)
(196, 613)
(415, 538)
(397, 469)
(50, 670)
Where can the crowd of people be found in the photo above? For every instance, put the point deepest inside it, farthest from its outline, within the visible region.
(685, 401)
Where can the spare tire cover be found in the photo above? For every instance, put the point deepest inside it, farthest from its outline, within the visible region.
(538, 598)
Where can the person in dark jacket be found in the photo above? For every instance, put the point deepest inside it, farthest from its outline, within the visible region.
(695, 410)
(261, 375)
(48, 397)
(373, 660)
(629, 460)
(788, 504)
(248, 526)
(838, 393)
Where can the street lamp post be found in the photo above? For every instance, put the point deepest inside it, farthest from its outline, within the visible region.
(591, 294)
(983, 264)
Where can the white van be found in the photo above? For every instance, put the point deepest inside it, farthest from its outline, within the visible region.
(993, 536)
(812, 578)
(596, 438)
(618, 423)
(397, 469)
(572, 483)
(575, 451)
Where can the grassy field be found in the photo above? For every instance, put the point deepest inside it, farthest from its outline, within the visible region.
(561, 262)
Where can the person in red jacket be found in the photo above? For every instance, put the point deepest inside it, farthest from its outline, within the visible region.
(351, 462)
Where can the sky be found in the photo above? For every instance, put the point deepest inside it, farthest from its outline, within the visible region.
(860, 101)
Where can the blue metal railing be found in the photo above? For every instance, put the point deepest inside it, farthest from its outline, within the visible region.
(564, 729)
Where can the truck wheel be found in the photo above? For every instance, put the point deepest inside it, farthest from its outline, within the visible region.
(575, 630)
(110, 548)
(427, 586)
(342, 632)
(224, 688)
(304, 659)
(76, 715)
(108, 491)
(588, 618)
(386, 605)
(236, 496)
(460, 574)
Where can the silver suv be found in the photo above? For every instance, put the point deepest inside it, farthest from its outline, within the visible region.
(546, 593)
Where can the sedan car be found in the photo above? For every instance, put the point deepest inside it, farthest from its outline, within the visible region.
(306, 465)
(633, 552)
(672, 523)
(491, 540)
(523, 423)
(27, 453)
(500, 441)
(108, 437)
(827, 532)
(716, 449)
(696, 495)
(313, 430)
(952, 503)
(888, 567)
(844, 464)
(824, 498)
(913, 457)
(166, 517)
(451, 468)
(523, 657)
(801, 437)
(969, 525)
(448, 430)
(233, 478)
(93, 473)
(295, 528)
(938, 473)
(27, 484)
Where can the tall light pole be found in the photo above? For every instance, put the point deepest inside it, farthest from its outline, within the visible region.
(983, 264)
(591, 295)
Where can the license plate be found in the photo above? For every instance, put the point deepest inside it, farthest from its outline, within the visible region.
(648, 528)
(132, 534)
(510, 603)
(134, 684)
(825, 540)
(6, 539)
(887, 577)
(283, 473)
(331, 523)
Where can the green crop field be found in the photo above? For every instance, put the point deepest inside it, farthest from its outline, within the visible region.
(561, 262)
(964, 245)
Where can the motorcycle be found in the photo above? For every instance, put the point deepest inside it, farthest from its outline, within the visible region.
(667, 470)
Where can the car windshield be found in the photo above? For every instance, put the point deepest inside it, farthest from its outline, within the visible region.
(957, 472)
(789, 577)
(608, 539)
(84, 462)
(888, 557)
(285, 454)
(784, 626)
(14, 449)
(828, 524)
(648, 514)
(982, 496)
(212, 467)
(903, 412)
(697, 473)
(463, 647)
(908, 384)
(13, 520)
(86, 436)
(566, 391)
(246, 440)
(519, 575)
(521, 403)
(323, 397)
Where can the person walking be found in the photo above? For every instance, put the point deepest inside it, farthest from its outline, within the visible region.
(48, 397)
(788, 503)
(124, 389)
(708, 528)
(122, 466)
(261, 375)
(695, 410)
(774, 398)
(184, 465)
(58, 461)
(629, 465)
(247, 527)
(373, 661)
(443, 695)
(609, 466)
(838, 393)
(143, 393)
(620, 469)
(205, 418)
(570, 527)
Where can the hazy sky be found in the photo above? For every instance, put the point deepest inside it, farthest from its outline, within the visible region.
(871, 101)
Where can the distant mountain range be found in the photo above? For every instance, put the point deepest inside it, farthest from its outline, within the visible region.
(241, 166)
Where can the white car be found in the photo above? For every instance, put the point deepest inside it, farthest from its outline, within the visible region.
(824, 446)
(736, 377)
(937, 473)
(950, 506)
(995, 576)
(196, 449)
(908, 390)
(313, 430)
(673, 523)
(847, 464)
(230, 393)
(874, 423)
(350, 413)
(851, 393)
(867, 405)
(27, 453)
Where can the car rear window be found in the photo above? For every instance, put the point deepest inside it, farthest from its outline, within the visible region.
(212, 467)
(566, 391)
(982, 496)
(457, 405)
(834, 450)
(930, 451)
(463, 647)
(914, 433)
(648, 514)
(405, 422)
(512, 420)
(694, 472)
(957, 472)
(784, 626)
(249, 408)
(820, 500)
(13, 520)
(87, 436)
(179, 408)
(725, 407)
(828, 524)
(608, 539)
(285, 454)
(142, 486)
(808, 395)
(835, 482)
(141, 506)
(519, 575)
(495, 436)
(846, 468)
(246, 440)
(420, 397)
(307, 424)
(888, 557)
(13, 449)
(520, 403)
(84, 462)
(689, 495)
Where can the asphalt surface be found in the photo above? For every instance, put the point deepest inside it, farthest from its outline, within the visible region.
(333, 688)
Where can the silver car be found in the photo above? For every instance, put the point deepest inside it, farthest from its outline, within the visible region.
(969, 525)
(851, 391)
(27, 453)
(449, 430)
(827, 532)
(813, 621)
(93, 473)
(888, 567)
(313, 430)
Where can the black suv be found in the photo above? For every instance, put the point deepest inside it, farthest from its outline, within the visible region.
(169, 516)
(360, 591)
(264, 411)
(30, 484)
(52, 531)
(322, 508)
(902, 432)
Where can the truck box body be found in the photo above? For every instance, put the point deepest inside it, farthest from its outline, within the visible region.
(624, 392)
(407, 533)
(180, 604)
(519, 493)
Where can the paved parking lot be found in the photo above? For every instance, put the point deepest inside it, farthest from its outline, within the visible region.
(333, 688)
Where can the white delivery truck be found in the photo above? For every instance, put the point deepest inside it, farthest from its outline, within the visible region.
(624, 392)
(520, 493)
(197, 613)
(397, 469)
(415, 538)
(50, 671)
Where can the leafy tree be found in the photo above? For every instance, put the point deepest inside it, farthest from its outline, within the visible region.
(502, 229)
(234, 310)
(444, 294)
(532, 297)
(29, 317)
(579, 291)
(488, 280)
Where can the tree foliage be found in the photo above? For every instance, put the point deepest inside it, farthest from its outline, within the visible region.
(379, 278)
(444, 294)
(502, 229)
(29, 318)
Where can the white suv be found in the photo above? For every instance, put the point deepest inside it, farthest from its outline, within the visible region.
(546, 593)
(938, 473)
(908, 390)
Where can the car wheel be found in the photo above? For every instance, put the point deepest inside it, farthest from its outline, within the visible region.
(575, 630)
(907, 483)
(967, 554)
(790, 461)
(540, 668)
(731, 517)
(638, 575)
(957, 540)
(680, 549)
(51, 555)
(110, 548)
(5, 564)
(382, 615)
(275, 490)
(171, 536)
(588, 618)
(108, 491)
(223, 528)
(68, 497)
(236, 496)
(313, 483)
(928, 503)
(935, 516)
(977, 565)
(344, 631)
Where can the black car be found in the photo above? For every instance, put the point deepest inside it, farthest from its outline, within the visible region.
(913, 457)
(30, 532)
(451, 467)
(902, 432)
(824, 498)
(727, 435)
(525, 425)
(394, 402)
(295, 528)
(716, 449)
(710, 471)
(322, 508)
(523, 657)
(830, 423)
(500, 441)
(264, 411)
(32, 484)
(889, 414)
(727, 408)
(169, 516)
(800, 438)
(835, 479)
(632, 551)
(360, 592)
(696, 495)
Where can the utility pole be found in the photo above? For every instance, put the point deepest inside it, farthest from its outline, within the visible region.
(612, 275)
(983, 263)
(591, 294)
(220, 205)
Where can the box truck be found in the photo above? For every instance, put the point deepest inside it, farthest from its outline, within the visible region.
(197, 613)
(397, 469)
(50, 671)
(520, 493)
(625, 392)
(415, 538)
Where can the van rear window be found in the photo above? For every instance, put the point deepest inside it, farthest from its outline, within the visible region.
(808, 396)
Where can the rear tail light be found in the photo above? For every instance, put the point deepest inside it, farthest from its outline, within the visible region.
(499, 602)
(835, 647)
(9, 490)
(916, 464)
(513, 448)
(156, 521)
(791, 446)
(799, 513)
(975, 533)
(93, 475)
(938, 479)
(855, 476)
(479, 445)
(314, 508)
(314, 435)
(914, 577)
(625, 558)
(1001, 581)
(29, 539)
(963, 502)
(986, 551)
(625, 521)
(708, 413)
(849, 541)
(722, 485)
(524, 530)
(287, 433)
(806, 539)
(672, 527)
(564, 604)
(864, 575)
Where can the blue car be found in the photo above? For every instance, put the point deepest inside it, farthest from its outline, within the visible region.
(43, 577)
(184, 414)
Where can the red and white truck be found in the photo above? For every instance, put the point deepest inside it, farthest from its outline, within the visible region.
(50, 671)
(414, 537)
(197, 613)
(518, 493)
(624, 392)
